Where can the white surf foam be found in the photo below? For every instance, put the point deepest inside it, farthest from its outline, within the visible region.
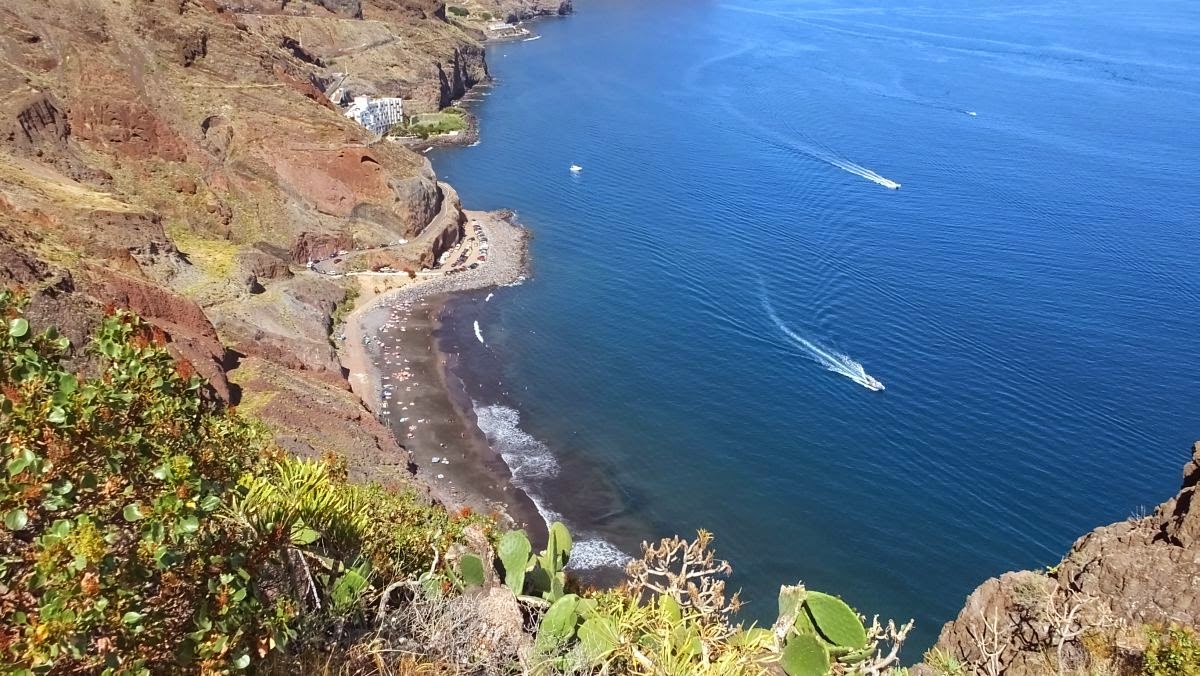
(532, 464)
(596, 553)
(832, 360)
(489, 297)
(529, 460)
(478, 333)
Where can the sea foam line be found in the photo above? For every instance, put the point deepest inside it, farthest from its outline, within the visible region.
(531, 463)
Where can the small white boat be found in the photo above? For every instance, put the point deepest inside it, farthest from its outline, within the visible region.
(972, 113)
(873, 384)
(575, 168)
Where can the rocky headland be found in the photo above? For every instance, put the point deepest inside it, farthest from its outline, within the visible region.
(1094, 611)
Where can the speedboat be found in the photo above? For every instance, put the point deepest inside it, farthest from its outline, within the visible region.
(872, 383)
(575, 168)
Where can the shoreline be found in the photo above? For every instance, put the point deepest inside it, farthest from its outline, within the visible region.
(401, 374)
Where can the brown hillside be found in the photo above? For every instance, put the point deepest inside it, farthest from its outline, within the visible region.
(179, 157)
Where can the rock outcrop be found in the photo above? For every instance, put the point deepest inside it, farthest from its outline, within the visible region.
(513, 11)
(426, 61)
(1088, 614)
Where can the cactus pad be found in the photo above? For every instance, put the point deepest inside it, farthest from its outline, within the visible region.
(836, 621)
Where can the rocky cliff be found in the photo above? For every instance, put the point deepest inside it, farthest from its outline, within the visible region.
(1090, 614)
(180, 158)
(520, 10)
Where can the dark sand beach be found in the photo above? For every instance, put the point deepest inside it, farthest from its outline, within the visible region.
(396, 367)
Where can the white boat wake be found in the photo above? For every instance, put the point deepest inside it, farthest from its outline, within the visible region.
(478, 333)
(810, 147)
(859, 170)
(831, 360)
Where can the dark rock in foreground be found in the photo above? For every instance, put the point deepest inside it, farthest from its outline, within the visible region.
(1089, 613)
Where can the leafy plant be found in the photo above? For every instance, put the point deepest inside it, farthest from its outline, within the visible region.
(344, 307)
(542, 575)
(944, 663)
(471, 569)
(1172, 651)
(146, 530)
(114, 552)
(514, 550)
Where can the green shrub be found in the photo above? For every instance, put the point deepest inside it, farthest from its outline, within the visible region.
(944, 663)
(337, 318)
(114, 551)
(147, 531)
(431, 124)
(458, 11)
(1174, 651)
(672, 616)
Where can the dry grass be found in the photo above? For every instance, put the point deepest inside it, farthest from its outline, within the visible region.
(454, 630)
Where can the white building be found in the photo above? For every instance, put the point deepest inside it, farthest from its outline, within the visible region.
(378, 115)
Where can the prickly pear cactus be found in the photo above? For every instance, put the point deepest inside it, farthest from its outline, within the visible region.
(548, 576)
(514, 550)
(835, 621)
(805, 655)
(558, 546)
(471, 569)
(558, 624)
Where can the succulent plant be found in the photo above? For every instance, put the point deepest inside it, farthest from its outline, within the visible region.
(818, 629)
(514, 550)
(598, 636)
(835, 621)
(805, 655)
(470, 567)
(544, 573)
(558, 624)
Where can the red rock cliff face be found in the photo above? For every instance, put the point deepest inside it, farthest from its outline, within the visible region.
(1088, 615)
(180, 159)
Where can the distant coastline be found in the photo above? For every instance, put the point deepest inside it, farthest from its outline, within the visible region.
(404, 329)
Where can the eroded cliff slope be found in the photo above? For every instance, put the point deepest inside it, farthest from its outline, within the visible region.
(179, 157)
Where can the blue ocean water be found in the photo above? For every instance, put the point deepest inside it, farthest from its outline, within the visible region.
(1030, 296)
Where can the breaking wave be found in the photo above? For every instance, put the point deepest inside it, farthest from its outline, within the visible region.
(478, 333)
(528, 459)
(532, 464)
(596, 553)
